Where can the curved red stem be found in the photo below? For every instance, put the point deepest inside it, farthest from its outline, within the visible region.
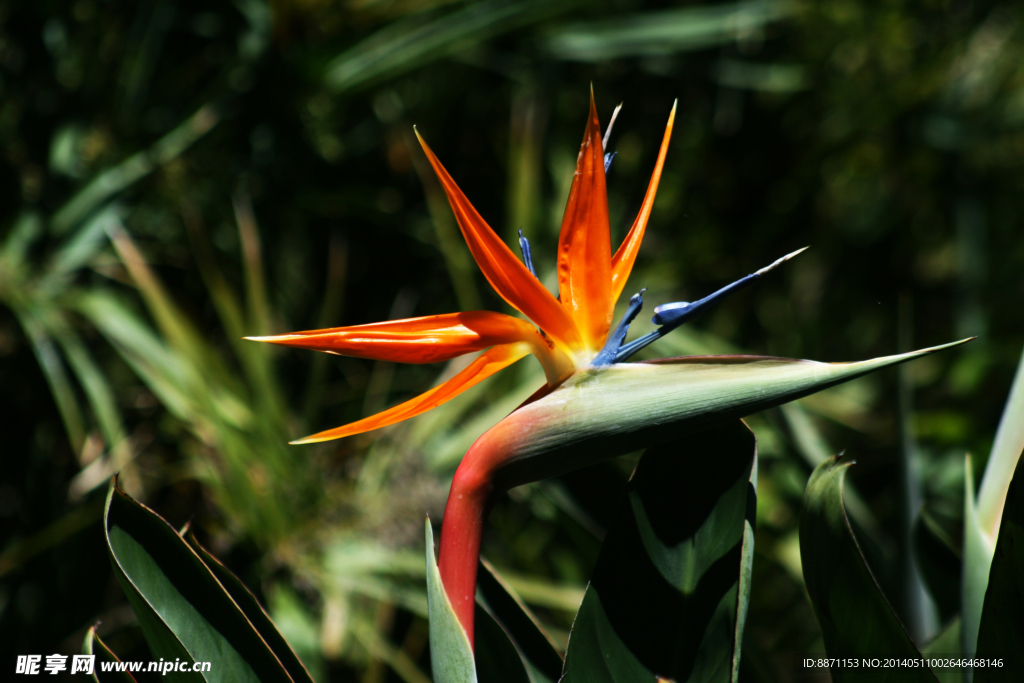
(462, 528)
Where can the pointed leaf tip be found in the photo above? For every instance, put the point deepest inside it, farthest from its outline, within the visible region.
(602, 412)
(854, 616)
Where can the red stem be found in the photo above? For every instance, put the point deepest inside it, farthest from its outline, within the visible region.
(462, 528)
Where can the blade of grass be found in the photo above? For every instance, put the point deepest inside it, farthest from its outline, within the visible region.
(60, 385)
(411, 43)
(94, 383)
(252, 260)
(330, 314)
(114, 180)
(56, 532)
(658, 33)
(382, 649)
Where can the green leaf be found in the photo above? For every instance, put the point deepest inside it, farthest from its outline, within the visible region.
(940, 563)
(1002, 618)
(183, 610)
(77, 251)
(946, 644)
(670, 591)
(52, 365)
(94, 382)
(602, 412)
(509, 620)
(855, 618)
(977, 560)
(451, 656)
(94, 646)
(253, 611)
(982, 515)
(498, 660)
(1002, 461)
(112, 181)
(660, 33)
(414, 42)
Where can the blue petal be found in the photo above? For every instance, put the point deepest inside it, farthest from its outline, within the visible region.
(671, 316)
(609, 354)
(524, 244)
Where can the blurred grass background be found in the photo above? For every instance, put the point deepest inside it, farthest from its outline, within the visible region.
(176, 175)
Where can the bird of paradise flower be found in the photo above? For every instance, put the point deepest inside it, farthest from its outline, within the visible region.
(568, 333)
(593, 406)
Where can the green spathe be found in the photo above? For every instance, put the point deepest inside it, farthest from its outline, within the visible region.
(451, 656)
(599, 413)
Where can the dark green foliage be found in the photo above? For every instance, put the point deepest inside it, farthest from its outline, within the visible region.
(93, 645)
(670, 591)
(856, 620)
(184, 611)
(885, 135)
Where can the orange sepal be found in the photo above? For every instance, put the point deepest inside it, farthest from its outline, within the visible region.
(487, 364)
(622, 262)
(584, 244)
(506, 273)
(428, 339)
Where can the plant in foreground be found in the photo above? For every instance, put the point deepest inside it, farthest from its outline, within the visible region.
(594, 405)
(856, 619)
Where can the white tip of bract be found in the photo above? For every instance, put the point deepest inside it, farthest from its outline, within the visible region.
(608, 130)
(780, 261)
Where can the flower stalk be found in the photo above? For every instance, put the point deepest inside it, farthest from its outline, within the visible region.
(603, 412)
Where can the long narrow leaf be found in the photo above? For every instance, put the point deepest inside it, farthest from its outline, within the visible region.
(182, 608)
(1002, 461)
(134, 168)
(414, 42)
(659, 33)
(1001, 631)
(253, 611)
(60, 385)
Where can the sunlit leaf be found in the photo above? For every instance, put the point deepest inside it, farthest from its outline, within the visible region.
(602, 412)
(116, 179)
(253, 611)
(94, 646)
(183, 610)
(1001, 632)
(659, 33)
(977, 560)
(1002, 461)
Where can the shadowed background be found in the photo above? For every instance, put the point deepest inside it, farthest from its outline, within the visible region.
(177, 175)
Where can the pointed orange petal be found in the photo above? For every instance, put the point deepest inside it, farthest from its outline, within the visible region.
(480, 369)
(429, 339)
(507, 275)
(622, 262)
(584, 245)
